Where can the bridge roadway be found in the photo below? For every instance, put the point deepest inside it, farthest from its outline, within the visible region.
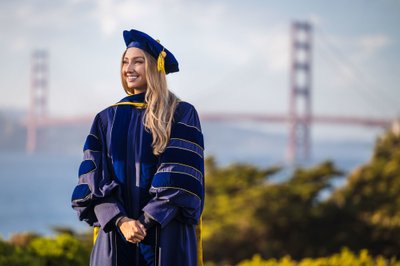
(237, 117)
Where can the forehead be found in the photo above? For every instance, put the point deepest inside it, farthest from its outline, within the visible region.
(134, 52)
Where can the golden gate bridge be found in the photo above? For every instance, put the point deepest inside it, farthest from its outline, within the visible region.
(299, 117)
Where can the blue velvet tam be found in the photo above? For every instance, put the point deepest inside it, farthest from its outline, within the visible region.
(166, 61)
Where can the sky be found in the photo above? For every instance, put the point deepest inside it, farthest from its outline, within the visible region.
(234, 55)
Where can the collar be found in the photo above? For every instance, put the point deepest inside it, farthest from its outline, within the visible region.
(136, 100)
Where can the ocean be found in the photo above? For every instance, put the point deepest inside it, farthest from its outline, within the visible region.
(35, 192)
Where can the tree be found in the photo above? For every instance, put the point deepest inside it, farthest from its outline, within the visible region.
(247, 214)
(64, 249)
(371, 200)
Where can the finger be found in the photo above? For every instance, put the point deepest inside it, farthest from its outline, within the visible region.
(141, 228)
(133, 241)
(136, 235)
(139, 237)
(140, 231)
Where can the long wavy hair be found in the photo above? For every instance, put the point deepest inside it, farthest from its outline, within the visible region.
(161, 103)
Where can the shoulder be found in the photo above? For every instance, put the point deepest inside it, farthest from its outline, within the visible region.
(185, 107)
(185, 111)
(187, 114)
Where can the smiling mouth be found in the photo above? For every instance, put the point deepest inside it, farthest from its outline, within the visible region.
(131, 78)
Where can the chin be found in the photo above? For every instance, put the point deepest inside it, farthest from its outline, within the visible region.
(131, 85)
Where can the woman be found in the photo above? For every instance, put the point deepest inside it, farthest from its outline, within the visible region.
(141, 182)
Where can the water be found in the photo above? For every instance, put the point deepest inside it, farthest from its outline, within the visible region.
(35, 192)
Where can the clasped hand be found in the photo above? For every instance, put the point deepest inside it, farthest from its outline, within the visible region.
(132, 230)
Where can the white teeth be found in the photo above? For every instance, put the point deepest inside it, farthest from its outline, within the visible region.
(131, 78)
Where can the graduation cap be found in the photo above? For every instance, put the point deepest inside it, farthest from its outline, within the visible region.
(166, 61)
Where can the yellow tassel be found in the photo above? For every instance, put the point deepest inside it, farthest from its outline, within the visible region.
(161, 61)
(96, 231)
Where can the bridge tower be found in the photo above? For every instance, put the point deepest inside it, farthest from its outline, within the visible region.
(38, 96)
(300, 113)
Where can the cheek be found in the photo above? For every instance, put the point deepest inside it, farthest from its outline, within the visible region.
(142, 70)
(123, 69)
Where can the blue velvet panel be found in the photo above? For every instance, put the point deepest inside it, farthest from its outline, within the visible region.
(119, 140)
(177, 180)
(92, 143)
(182, 143)
(176, 167)
(80, 192)
(86, 167)
(173, 155)
(182, 131)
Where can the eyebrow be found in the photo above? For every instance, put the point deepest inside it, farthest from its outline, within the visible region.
(136, 57)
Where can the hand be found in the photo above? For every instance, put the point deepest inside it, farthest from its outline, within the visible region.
(132, 230)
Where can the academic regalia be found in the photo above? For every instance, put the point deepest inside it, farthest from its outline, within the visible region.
(120, 176)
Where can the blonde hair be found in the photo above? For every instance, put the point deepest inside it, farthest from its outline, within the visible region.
(161, 104)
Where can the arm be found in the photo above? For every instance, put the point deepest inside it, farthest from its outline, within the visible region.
(178, 185)
(96, 197)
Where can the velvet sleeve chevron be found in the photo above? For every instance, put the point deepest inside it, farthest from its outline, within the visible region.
(178, 185)
(96, 196)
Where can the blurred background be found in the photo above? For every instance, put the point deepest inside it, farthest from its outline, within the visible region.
(280, 86)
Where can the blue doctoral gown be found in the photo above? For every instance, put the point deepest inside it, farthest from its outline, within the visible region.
(120, 175)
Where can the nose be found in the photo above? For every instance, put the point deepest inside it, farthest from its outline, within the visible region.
(129, 67)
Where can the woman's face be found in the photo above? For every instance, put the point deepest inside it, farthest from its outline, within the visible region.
(133, 70)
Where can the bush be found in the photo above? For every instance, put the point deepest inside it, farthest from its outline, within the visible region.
(65, 249)
(344, 258)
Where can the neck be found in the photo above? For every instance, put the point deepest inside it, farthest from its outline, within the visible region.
(139, 90)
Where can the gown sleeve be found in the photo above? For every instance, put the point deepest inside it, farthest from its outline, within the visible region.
(178, 185)
(96, 198)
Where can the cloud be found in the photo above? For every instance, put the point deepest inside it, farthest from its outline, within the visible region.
(272, 47)
(113, 15)
(221, 45)
(359, 48)
(28, 24)
(370, 45)
(347, 68)
(212, 29)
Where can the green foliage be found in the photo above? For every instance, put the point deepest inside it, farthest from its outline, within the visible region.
(231, 209)
(31, 249)
(246, 214)
(11, 255)
(23, 239)
(344, 258)
(64, 250)
(371, 200)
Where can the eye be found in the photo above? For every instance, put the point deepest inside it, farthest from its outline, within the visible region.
(125, 62)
